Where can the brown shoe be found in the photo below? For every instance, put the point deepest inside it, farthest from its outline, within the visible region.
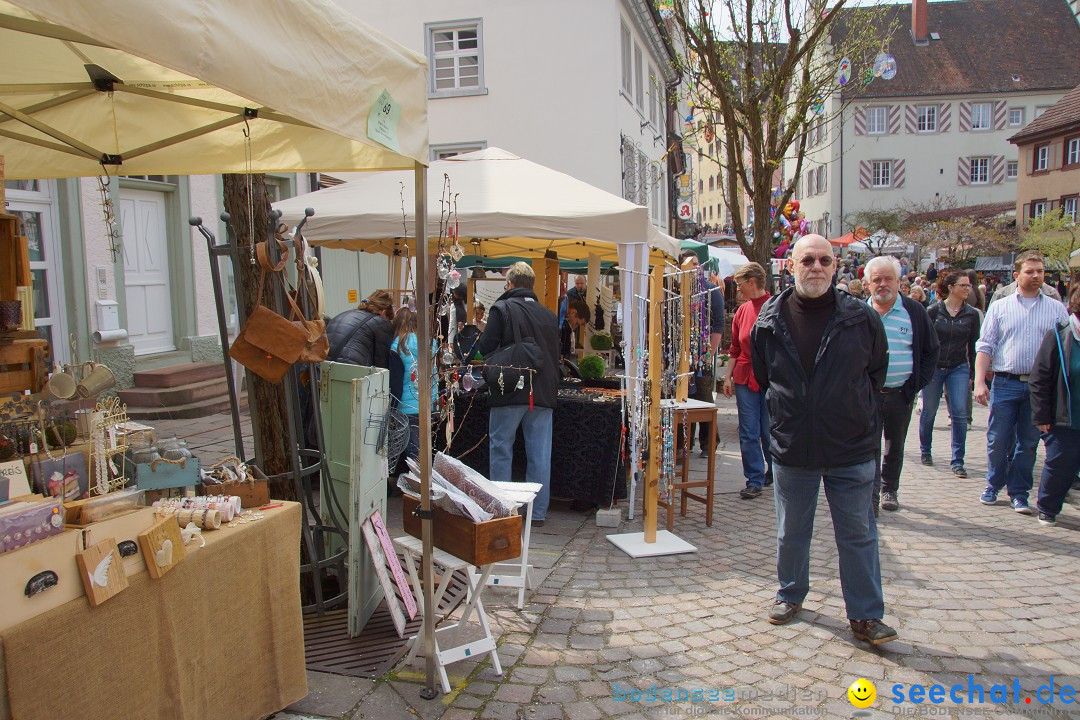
(874, 632)
(781, 613)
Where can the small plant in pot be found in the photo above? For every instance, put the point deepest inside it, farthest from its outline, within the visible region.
(592, 367)
(601, 340)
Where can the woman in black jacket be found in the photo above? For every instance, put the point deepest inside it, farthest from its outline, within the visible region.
(362, 336)
(957, 326)
(1055, 410)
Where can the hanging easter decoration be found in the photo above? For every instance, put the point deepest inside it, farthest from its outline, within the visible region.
(843, 72)
(884, 66)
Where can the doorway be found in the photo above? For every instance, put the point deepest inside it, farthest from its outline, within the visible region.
(148, 294)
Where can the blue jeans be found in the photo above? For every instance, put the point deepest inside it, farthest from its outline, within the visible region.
(848, 490)
(503, 423)
(956, 379)
(1011, 433)
(753, 434)
(1061, 466)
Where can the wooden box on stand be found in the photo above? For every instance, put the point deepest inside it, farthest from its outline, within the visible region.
(477, 543)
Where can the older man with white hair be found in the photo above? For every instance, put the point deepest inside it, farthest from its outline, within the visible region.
(913, 354)
(820, 355)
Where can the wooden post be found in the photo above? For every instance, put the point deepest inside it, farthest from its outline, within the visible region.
(656, 443)
(592, 294)
(547, 282)
(539, 267)
(470, 300)
(682, 389)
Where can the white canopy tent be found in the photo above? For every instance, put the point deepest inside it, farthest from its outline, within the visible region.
(505, 206)
(727, 260)
(170, 87)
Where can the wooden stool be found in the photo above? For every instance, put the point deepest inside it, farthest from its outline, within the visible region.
(692, 411)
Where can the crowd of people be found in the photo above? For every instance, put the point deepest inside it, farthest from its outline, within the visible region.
(827, 374)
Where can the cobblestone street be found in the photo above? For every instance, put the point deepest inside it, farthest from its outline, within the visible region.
(972, 590)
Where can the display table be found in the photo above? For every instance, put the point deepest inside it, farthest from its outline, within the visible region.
(220, 636)
(586, 457)
(692, 411)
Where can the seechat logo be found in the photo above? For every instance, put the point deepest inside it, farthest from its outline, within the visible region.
(862, 694)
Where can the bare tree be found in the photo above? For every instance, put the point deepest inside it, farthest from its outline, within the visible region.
(878, 227)
(764, 69)
(247, 202)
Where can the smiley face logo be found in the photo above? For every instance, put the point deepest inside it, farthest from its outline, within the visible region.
(862, 693)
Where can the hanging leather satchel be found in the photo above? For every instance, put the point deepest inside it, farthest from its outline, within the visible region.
(268, 344)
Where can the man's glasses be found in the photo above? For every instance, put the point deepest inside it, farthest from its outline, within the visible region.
(808, 261)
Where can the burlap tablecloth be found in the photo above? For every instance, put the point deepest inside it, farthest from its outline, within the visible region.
(220, 636)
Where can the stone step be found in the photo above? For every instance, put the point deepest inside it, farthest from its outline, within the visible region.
(202, 408)
(177, 375)
(154, 397)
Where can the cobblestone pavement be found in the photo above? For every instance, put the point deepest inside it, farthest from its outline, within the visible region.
(972, 590)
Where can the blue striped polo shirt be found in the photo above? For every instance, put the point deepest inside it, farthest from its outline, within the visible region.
(901, 337)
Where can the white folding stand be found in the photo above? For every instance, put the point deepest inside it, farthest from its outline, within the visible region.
(516, 573)
(413, 549)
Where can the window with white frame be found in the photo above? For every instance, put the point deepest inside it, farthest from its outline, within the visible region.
(456, 54)
(1042, 158)
(1040, 110)
(982, 116)
(710, 183)
(927, 118)
(1012, 169)
(1072, 151)
(1016, 117)
(639, 79)
(441, 152)
(881, 173)
(811, 183)
(627, 59)
(1038, 209)
(979, 172)
(877, 120)
(822, 183)
(1068, 208)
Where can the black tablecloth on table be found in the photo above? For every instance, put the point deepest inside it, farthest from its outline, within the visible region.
(586, 462)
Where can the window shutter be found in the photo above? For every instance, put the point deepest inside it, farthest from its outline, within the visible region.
(1027, 210)
(859, 121)
(997, 169)
(911, 119)
(898, 173)
(824, 184)
(944, 117)
(1001, 113)
(864, 174)
(894, 119)
(963, 170)
(965, 117)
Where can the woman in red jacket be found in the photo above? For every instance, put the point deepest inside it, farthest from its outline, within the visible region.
(740, 382)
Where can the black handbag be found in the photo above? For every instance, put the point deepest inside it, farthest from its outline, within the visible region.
(505, 367)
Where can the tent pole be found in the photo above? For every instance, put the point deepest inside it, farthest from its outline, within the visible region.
(656, 443)
(423, 381)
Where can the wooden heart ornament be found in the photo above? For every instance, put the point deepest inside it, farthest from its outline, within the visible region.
(162, 547)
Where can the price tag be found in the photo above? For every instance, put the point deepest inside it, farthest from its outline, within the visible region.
(351, 295)
(383, 121)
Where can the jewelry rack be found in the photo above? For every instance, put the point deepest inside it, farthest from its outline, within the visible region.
(108, 414)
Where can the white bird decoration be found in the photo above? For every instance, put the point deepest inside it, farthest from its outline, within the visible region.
(100, 576)
(163, 557)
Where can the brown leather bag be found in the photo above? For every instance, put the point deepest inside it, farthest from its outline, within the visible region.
(268, 344)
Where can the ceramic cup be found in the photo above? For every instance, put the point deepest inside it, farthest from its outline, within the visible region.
(60, 386)
(96, 382)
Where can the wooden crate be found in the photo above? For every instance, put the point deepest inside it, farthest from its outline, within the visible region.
(477, 543)
(252, 494)
(22, 366)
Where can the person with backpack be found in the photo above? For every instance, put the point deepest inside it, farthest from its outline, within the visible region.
(521, 352)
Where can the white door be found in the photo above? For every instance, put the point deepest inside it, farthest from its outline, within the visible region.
(32, 200)
(146, 271)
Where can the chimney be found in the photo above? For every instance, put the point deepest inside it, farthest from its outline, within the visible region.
(919, 29)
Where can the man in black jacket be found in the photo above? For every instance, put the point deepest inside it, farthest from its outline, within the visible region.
(532, 406)
(362, 336)
(821, 356)
(913, 354)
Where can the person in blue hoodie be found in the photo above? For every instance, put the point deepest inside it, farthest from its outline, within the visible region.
(404, 346)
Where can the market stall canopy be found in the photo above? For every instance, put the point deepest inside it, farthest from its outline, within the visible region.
(1002, 263)
(505, 205)
(171, 87)
(723, 261)
(859, 233)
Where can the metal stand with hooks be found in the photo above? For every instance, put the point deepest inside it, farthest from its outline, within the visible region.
(315, 533)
